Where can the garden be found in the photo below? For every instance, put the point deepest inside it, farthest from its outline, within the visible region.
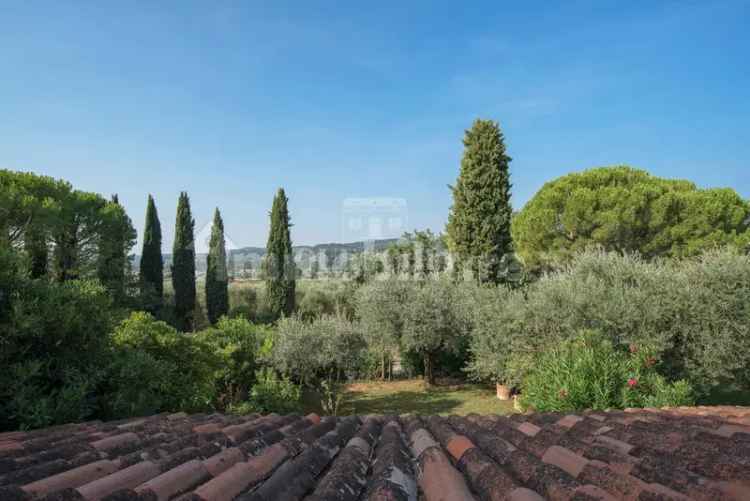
(611, 288)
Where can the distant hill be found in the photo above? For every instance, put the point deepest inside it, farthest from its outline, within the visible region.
(251, 256)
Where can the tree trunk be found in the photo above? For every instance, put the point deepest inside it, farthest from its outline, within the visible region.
(382, 368)
(429, 378)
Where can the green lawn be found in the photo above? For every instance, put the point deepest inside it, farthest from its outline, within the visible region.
(412, 396)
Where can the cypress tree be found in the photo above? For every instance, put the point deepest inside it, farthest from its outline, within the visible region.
(183, 266)
(151, 271)
(279, 265)
(480, 218)
(217, 283)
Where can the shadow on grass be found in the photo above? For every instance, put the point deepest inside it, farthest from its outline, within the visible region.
(727, 396)
(402, 402)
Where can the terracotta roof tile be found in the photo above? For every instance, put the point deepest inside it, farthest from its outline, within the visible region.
(700, 453)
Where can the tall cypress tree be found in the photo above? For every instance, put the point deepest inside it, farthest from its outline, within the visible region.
(480, 218)
(151, 271)
(183, 266)
(279, 267)
(217, 278)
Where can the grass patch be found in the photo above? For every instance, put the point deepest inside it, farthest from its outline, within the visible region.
(413, 396)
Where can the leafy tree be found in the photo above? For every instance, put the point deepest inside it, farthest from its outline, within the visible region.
(379, 306)
(479, 223)
(183, 266)
(434, 322)
(279, 267)
(217, 280)
(116, 238)
(151, 271)
(627, 210)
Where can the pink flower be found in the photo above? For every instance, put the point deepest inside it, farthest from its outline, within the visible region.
(633, 348)
(650, 361)
(632, 382)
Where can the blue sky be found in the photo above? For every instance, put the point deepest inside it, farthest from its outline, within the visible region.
(230, 100)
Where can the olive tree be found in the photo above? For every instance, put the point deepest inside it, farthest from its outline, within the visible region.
(434, 321)
(379, 305)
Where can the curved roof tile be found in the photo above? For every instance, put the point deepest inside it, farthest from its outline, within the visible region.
(700, 453)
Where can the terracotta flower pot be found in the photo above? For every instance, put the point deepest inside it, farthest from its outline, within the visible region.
(503, 392)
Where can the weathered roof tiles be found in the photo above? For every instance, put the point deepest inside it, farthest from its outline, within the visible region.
(700, 453)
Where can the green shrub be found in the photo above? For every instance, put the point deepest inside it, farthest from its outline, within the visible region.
(54, 343)
(314, 304)
(241, 311)
(234, 342)
(270, 394)
(589, 372)
(189, 363)
(136, 384)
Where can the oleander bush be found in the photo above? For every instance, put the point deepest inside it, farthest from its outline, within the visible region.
(589, 371)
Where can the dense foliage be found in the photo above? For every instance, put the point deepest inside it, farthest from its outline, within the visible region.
(271, 393)
(479, 222)
(183, 266)
(626, 210)
(589, 372)
(186, 364)
(217, 279)
(54, 346)
(279, 267)
(237, 344)
(694, 313)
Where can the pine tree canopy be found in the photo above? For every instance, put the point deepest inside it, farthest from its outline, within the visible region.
(183, 266)
(279, 265)
(217, 278)
(117, 236)
(479, 223)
